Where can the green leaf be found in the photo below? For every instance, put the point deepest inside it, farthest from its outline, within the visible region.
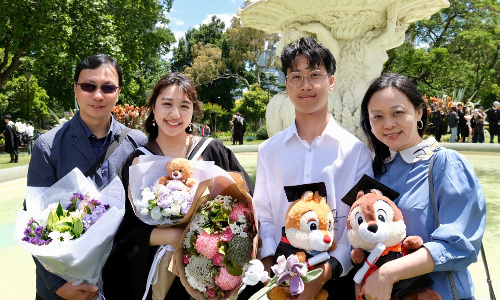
(311, 275)
(77, 228)
(59, 210)
(234, 268)
(52, 219)
(263, 291)
(87, 209)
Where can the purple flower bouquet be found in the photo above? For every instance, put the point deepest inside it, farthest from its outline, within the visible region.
(70, 226)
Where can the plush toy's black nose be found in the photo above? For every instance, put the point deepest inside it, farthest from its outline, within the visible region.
(373, 228)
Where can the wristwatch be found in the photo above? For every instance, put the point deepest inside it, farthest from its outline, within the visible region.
(336, 268)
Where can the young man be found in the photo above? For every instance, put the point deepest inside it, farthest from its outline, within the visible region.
(313, 149)
(79, 143)
(437, 120)
(493, 115)
(30, 130)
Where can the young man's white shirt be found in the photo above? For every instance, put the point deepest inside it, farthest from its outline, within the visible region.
(336, 158)
(29, 131)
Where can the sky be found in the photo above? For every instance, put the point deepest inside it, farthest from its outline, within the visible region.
(187, 14)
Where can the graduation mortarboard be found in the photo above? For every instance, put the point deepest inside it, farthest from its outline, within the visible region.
(295, 192)
(365, 184)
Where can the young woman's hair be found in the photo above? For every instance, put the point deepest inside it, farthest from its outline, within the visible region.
(315, 53)
(407, 88)
(186, 86)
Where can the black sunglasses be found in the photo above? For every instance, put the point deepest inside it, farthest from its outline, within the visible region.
(91, 87)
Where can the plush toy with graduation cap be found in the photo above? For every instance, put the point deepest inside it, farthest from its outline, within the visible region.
(308, 231)
(377, 231)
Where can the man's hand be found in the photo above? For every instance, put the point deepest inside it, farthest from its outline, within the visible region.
(312, 288)
(78, 292)
(267, 262)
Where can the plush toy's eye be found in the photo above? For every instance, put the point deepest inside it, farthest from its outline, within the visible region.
(359, 218)
(313, 225)
(381, 215)
(330, 225)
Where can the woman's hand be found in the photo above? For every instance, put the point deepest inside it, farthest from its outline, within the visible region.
(166, 236)
(378, 286)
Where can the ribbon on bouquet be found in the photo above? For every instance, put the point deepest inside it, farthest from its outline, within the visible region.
(153, 273)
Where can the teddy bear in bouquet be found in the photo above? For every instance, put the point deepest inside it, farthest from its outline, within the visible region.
(179, 173)
(376, 225)
(309, 227)
(179, 184)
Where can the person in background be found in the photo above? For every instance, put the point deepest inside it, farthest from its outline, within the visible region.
(493, 118)
(478, 119)
(29, 136)
(437, 120)
(467, 131)
(461, 121)
(241, 120)
(82, 143)
(394, 119)
(11, 139)
(205, 130)
(453, 124)
(315, 148)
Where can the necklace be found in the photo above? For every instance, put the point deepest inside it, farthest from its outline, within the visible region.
(175, 151)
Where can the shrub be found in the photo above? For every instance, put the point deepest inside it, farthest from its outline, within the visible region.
(261, 133)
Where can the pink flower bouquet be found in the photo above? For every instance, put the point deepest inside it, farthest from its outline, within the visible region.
(218, 245)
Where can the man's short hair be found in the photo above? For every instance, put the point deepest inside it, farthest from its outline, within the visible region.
(7, 117)
(459, 104)
(94, 62)
(30, 122)
(315, 53)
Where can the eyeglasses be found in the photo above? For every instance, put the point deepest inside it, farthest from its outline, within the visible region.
(91, 87)
(316, 77)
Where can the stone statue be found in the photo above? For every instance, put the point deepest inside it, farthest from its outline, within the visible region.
(357, 32)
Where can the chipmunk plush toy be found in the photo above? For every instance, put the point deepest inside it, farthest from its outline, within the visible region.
(374, 220)
(308, 228)
(179, 169)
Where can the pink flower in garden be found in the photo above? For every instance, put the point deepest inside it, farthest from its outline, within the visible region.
(186, 259)
(218, 258)
(226, 281)
(227, 234)
(239, 209)
(206, 244)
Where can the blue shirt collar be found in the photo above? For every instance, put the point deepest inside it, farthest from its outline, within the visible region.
(88, 133)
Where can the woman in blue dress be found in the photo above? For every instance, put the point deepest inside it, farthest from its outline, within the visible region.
(394, 119)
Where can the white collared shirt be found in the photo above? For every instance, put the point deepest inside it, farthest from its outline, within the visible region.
(336, 158)
(422, 151)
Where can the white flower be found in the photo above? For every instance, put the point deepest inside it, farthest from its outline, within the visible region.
(147, 195)
(166, 212)
(175, 209)
(255, 273)
(156, 213)
(53, 206)
(144, 211)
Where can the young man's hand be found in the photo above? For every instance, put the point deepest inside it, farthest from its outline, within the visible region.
(312, 288)
(78, 292)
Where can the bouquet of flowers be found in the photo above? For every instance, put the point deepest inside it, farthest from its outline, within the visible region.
(69, 227)
(218, 245)
(288, 272)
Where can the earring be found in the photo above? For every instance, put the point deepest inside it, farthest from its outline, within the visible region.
(154, 122)
(189, 129)
(420, 124)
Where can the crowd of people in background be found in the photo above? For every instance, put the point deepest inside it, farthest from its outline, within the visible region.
(466, 125)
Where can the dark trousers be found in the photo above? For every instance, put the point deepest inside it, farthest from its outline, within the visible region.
(437, 132)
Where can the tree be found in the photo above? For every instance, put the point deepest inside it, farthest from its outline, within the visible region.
(214, 112)
(57, 34)
(462, 50)
(253, 106)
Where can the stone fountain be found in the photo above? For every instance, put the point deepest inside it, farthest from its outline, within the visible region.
(357, 32)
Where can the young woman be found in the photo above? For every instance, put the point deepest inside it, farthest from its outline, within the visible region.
(171, 108)
(467, 130)
(394, 118)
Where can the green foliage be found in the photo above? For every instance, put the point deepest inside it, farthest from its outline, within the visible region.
(457, 47)
(14, 96)
(213, 112)
(48, 38)
(261, 133)
(253, 106)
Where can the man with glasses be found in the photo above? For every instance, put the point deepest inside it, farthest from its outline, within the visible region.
(313, 149)
(83, 143)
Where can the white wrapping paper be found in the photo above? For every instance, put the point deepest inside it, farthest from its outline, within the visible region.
(81, 259)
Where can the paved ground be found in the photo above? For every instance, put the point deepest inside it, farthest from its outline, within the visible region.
(17, 279)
